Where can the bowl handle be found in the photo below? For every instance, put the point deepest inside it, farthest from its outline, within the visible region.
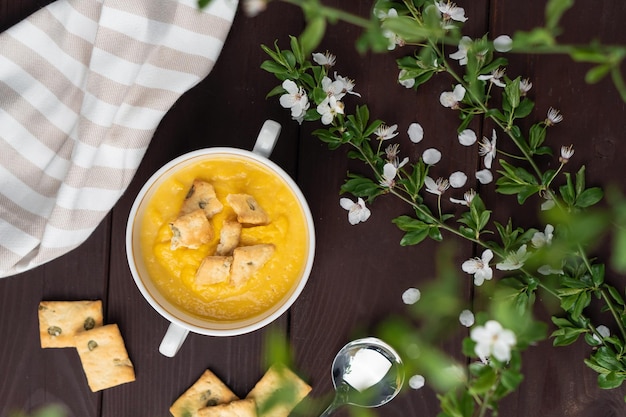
(173, 340)
(265, 141)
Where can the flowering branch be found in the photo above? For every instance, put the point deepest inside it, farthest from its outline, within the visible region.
(554, 260)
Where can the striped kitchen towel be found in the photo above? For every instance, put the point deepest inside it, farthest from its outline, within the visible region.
(83, 86)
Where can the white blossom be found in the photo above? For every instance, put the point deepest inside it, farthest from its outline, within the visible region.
(466, 318)
(357, 212)
(253, 7)
(524, 86)
(394, 40)
(411, 296)
(566, 153)
(503, 43)
(332, 88)
(514, 260)
(436, 187)
(384, 132)
(451, 11)
(347, 85)
(548, 270)
(495, 77)
(457, 179)
(484, 176)
(479, 267)
(403, 80)
(451, 99)
(468, 196)
(493, 340)
(544, 238)
(326, 59)
(295, 99)
(549, 203)
(553, 117)
(389, 175)
(467, 137)
(416, 132)
(392, 152)
(417, 381)
(488, 149)
(329, 108)
(461, 54)
(382, 14)
(431, 156)
(603, 331)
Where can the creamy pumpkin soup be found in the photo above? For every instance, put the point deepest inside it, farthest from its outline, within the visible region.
(218, 276)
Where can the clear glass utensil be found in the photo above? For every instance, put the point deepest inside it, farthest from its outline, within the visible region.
(366, 373)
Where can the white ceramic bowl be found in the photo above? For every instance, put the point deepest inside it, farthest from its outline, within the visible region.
(181, 321)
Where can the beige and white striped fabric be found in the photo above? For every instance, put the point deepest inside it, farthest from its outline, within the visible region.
(83, 86)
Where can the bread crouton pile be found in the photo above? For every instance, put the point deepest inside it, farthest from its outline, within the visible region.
(274, 395)
(79, 324)
(192, 228)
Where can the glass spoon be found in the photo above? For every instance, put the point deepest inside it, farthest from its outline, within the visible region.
(366, 373)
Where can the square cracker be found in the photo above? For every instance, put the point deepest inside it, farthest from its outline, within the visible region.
(247, 209)
(213, 270)
(239, 408)
(206, 391)
(280, 387)
(247, 260)
(60, 321)
(201, 195)
(104, 357)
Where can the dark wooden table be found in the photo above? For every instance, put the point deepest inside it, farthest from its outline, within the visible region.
(360, 272)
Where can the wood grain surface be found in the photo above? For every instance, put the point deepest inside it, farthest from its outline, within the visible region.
(360, 272)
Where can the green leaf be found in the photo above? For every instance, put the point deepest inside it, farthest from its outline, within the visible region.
(597, 73)
(536, 136)
(611, 380)
(485, 381)
(290, 59)
(435, 234)
(580, 181)
(413, 238)
(589, 197)
(273, 67)
(554, 11)
(511, 379)
(275, 91)
(597, 274)
(312, 35)
(543, 150)
(561, 322)
(408, 224)
(203, 3)
(567, 190)
(597, 368)
(566, 336)
(590, 54)
(297, 50)
(524, 109)
(527, 192)
(615, 294)
(512, 93)
(605, 357)
(361, 187)
(583, 301)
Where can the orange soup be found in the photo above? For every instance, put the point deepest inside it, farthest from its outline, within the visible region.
(173, 271)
